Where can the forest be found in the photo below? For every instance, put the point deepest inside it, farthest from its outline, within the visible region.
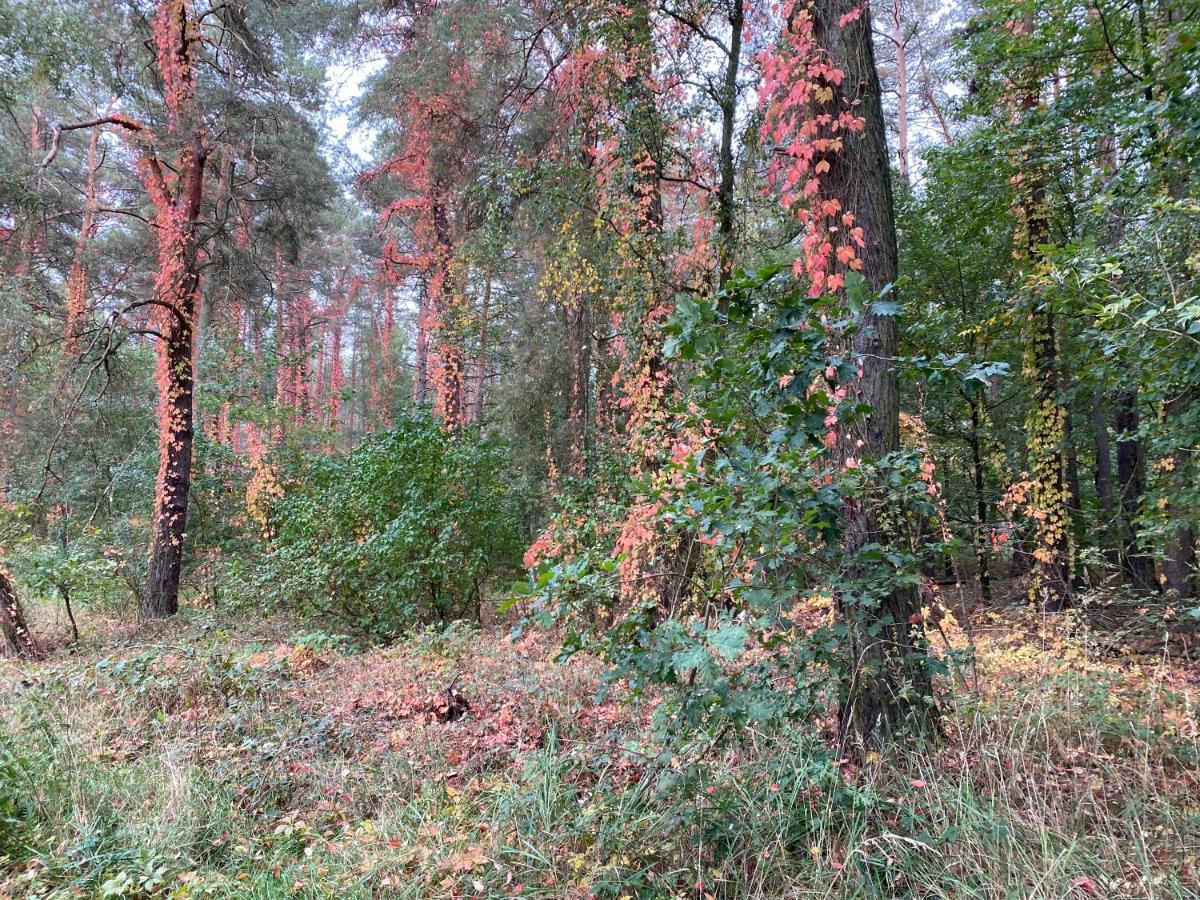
(599, 448)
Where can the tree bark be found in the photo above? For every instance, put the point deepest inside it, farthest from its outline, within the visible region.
(579, 331)
(448, 367)
(1047, 423)
(388, 349)
(902, 91)
(729, 96)
(421, 352)
(980, 542)
(176, 190)
(1074, 498)
(1137, 565)
(33, 228)
(887, 687)
(15, 637)
(480, 363)
(1104, 478)
(649, 385)
(1180, 572)
(344, 299)
(177, 297)
(77, 276)
(943, 125)
(1179, 566)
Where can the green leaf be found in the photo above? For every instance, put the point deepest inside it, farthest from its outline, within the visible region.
(693, 657)
(857, 292)
(729, 641)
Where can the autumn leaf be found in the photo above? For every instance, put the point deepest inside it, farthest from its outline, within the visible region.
(465, 861)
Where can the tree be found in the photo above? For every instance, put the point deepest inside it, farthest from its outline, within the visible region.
(187, 114)
(175, 186)
(446, 115)
(721, 26)
(1048, 417)
(825, 114)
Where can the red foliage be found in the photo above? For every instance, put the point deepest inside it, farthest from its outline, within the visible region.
(800, 119)
(172, 30)
(77, 276)
(431, 165)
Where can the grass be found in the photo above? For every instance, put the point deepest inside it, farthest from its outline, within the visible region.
(264, 761)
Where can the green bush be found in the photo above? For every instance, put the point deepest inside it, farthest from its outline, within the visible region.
(409, 527)
(757, 496)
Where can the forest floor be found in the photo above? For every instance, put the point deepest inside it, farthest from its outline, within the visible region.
(203, 758)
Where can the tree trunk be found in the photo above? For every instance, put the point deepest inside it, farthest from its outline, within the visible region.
(351, 417)
(901, 91)
(1074, 503)
(77, 276)
(581, 368)
(1104, 478)
(1136, 564)
(283, 337)
(607, 367)
(665, 574)
(1046, 429)
(34, 228)
(174, 474)
(336, 372)
(15, 636)
(981, 507)
(887, 687)
(389, 351)
(421, 352)
(301, 374)
(477, 380)
(178, 290)
(1047, 423)
(729, 93)
(1179, 566)
(64, 591)
(448, 363)
(935, 107)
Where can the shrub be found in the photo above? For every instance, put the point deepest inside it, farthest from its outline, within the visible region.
(751, 486)
(409, 527)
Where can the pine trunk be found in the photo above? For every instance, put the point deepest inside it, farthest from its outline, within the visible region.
(178, 290)
(887, 687)
(174, 475)
(480, 363)
(898, 40)
(421, 351)
(581, 368)
(1179, 565)
(448, 370)
(77, 276)
(982, 571)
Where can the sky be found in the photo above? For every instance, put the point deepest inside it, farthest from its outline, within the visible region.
(345, 83)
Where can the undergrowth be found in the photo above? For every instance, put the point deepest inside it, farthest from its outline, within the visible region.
(196, 763)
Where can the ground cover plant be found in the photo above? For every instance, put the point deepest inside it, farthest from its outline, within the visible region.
(277, 762)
